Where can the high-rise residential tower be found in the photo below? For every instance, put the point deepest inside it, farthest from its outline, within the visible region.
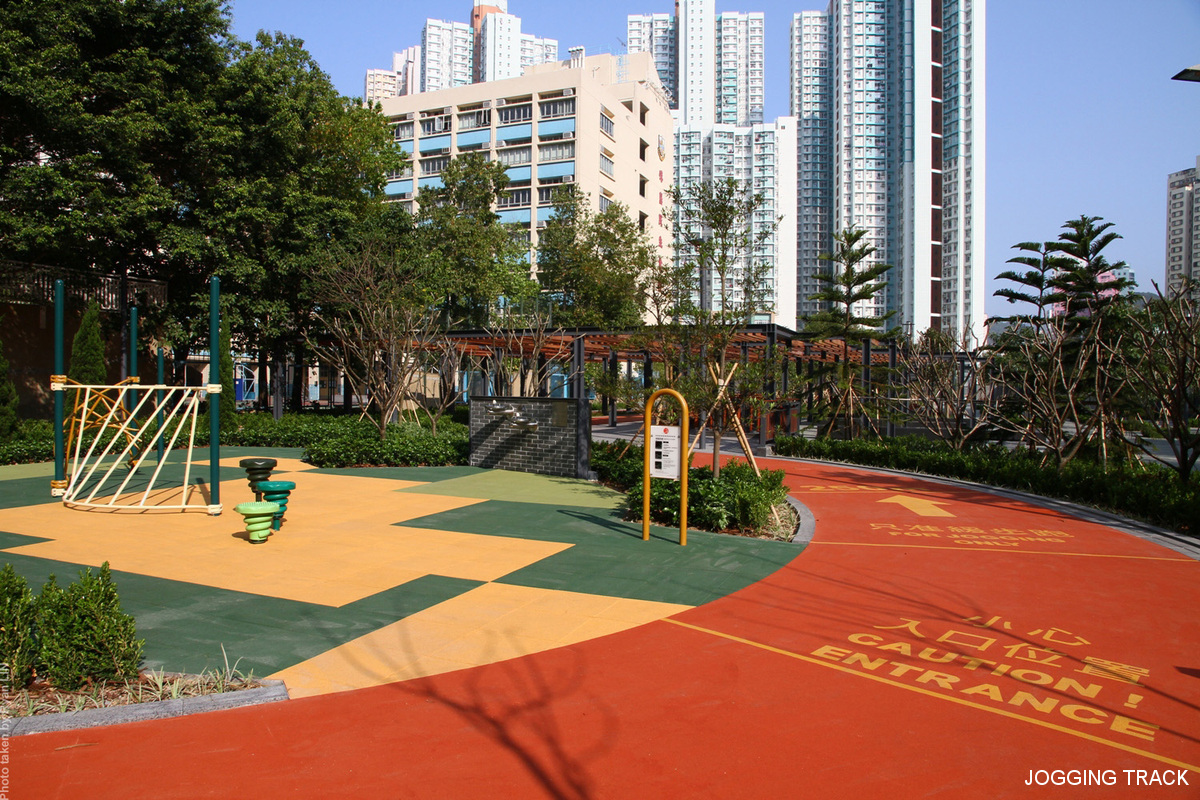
(712, 65)
(1183, 227)
(490, 47)
(891, 104)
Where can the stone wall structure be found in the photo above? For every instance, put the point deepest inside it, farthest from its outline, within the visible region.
(559, 445)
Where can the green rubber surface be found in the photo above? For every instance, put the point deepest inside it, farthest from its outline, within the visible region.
(186, 624)
(610, 558)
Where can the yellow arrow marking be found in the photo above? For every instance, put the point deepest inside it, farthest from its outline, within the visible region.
(919, 506)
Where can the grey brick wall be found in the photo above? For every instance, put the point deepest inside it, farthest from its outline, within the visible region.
(553, 449)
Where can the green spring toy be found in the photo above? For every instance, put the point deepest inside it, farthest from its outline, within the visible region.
(259, 516)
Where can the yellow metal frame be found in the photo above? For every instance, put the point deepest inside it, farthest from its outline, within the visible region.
(683, 466)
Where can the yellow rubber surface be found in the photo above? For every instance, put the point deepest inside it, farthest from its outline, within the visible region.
(339, 543)
(491, 623)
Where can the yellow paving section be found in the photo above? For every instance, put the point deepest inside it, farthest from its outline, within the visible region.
(490, 623)
(339, 542)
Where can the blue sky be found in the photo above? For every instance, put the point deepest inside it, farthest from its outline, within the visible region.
(1082, 115)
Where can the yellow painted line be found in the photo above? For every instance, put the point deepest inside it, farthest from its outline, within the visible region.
(490, 623)
(928, 692)
(919, 506)
(986, 549)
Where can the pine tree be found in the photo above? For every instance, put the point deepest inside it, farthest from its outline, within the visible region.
(8, 400)
(87, 350)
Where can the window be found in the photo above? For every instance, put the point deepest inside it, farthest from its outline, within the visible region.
(606, 165)
(475, 119)
(404, 130)
(516, 155)
(606, 125)
(433, 166)
(509, 114)
(642, 148)
(514, 199)
(556, 151)
(560, 107)
(438, 124)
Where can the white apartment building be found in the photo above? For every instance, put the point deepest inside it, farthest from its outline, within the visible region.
(763, 158)
(1183, 228)
(600, 122)
(892, 140)
(720, 58)
(740, 64)
(489, 47)
(403, 78)
(447, 55)
(655, 34)
(717, 70)
(810, 105)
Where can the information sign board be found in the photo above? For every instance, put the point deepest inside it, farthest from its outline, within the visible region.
(665, 448)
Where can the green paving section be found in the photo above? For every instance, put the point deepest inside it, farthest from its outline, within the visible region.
(522, 487)
(609, 556)
(186, 624)
(28, 491)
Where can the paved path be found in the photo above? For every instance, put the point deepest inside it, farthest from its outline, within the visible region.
(932, 641)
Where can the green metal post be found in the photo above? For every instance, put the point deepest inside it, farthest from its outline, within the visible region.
(56, 383)
(214, 392)
(131, 397)
(159, 403)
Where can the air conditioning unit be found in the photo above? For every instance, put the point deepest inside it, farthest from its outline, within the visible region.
(409, 115)
(541, 224)
(568, 92)
(486, 104)
(501, 101)
(448, 110)
(405, 195)
(568, 179)
(568, 134)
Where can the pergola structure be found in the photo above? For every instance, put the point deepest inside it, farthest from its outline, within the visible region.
(581, 346)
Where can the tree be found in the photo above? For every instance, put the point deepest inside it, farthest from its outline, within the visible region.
(8, 400)
(947, 386)
(378, 311)
(88, 363)
(591, 264)
(723, 286)
(107, 127)
(1061, 366)
(853, 284)
(1166, 373)
(474, 258)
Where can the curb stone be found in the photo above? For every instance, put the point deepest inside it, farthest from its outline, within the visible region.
(270, 692)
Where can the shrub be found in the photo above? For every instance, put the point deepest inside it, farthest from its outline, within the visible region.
(1141, 491)
(405, 444)
(88, 363)
(8, 401)
(18, 650)
(735, 499)
(82, 632)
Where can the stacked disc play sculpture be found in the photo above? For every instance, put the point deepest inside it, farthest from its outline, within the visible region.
(257, 470)
(259, 517)
(277, 492)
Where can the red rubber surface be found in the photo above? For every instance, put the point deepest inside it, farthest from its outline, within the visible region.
(760, 694)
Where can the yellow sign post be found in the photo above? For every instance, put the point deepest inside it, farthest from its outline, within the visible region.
(672, 444)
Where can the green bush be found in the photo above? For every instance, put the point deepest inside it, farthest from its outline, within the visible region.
(1141, 491)
(88, 364)
(406, 444)
(736, 499)
(82, 632)
(8, 401)
(18, 650)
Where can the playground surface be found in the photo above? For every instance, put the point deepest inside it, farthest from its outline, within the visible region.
(456, 632)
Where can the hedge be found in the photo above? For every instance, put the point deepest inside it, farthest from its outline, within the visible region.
(1147, 492)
